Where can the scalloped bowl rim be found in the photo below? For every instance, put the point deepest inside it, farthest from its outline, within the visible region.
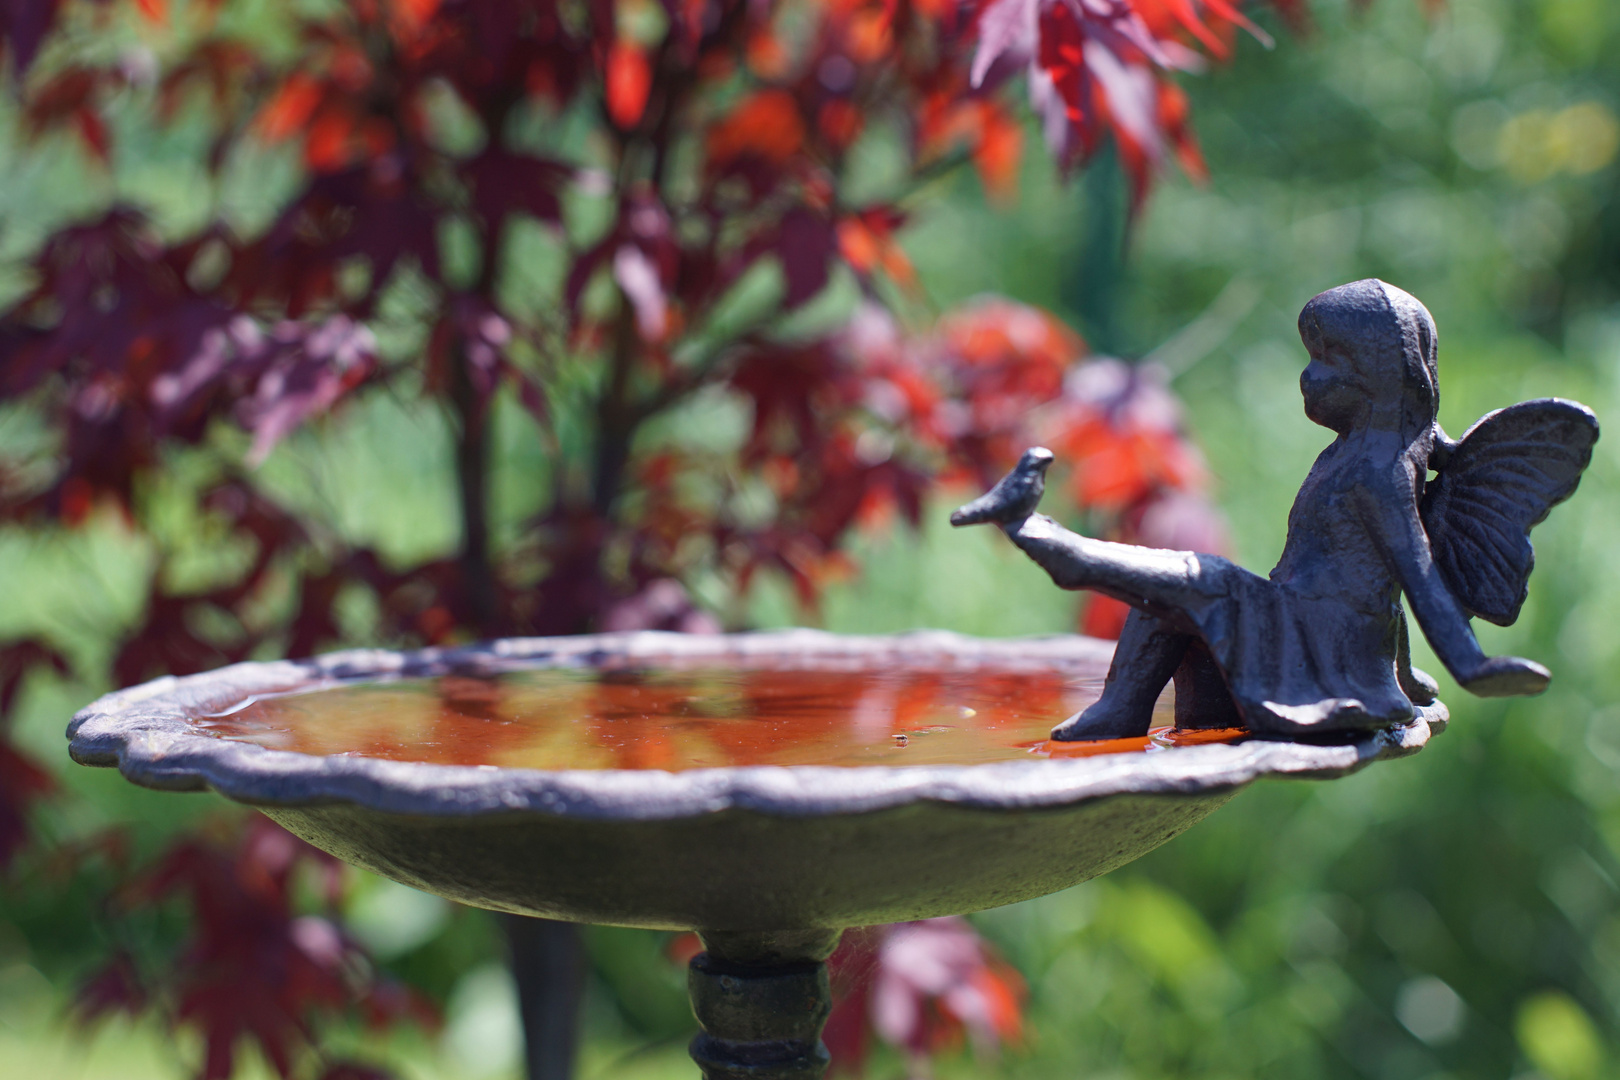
(145, 731)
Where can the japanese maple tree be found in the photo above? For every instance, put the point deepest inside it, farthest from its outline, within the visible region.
(602, 213)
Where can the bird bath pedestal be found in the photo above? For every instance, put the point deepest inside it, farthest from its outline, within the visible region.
(768, 791)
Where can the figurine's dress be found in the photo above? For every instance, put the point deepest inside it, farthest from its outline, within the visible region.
(1303, 651)
(1302, 662)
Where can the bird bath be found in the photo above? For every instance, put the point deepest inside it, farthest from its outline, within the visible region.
(766, 790)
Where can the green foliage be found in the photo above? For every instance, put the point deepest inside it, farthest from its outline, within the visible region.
(1559, 1038)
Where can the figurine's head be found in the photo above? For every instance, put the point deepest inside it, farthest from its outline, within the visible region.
(1372, 363)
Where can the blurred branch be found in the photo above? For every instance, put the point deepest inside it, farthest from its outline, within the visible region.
(1209, 330)
(472, 481)
(616, 418)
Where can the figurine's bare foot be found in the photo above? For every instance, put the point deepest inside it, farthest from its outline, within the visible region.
(1507, 676)
(1101, 720)
(1418, 685)
(1015, 495)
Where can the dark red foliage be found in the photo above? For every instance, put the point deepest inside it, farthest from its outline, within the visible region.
(22, 781)
(851, 968)
(23, 26)
(127, 356)
(17, 660)
(254, 970)
(922, 987)
(116, 988)
(134, 343)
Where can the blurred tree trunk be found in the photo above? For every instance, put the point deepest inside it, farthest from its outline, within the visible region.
(1092, 288)
(548, 964)
(547, 957)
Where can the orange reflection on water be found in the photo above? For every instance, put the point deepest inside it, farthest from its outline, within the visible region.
(1158, 738)
(675, 718)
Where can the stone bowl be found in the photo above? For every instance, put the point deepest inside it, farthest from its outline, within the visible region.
(745, 849)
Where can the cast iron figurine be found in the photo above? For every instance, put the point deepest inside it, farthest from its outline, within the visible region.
(1320, 646)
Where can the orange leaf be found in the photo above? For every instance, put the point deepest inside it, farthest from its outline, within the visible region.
(412, 15)
(156, 11)
(994, 331)
(867, 244)
(1173, 113)
(1104, 617)
(897, 264)
(629, 81)
(682, 947)
(291, 108)
(767, 125)
(1001, 144)
(1003, 992)
(330, 145)
(766, 56)
(859, 246)
(869, 35)
(1110, 476)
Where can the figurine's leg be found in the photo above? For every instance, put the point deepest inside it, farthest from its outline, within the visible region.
(1170, 584)
(1145, 658)
(1203, 699)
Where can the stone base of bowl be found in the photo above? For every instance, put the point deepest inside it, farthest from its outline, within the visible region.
(761, 1000)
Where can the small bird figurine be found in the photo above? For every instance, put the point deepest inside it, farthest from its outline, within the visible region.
(1014, 497)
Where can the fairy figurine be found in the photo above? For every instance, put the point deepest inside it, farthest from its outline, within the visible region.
(1320, 647)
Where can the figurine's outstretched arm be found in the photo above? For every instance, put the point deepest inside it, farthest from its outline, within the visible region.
(1405, 547)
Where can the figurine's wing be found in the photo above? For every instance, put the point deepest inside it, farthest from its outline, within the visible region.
(1502, 478)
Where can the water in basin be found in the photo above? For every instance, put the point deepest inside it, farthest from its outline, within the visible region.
(699, 717)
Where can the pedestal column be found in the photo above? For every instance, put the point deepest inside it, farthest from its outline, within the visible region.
(761, 999)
